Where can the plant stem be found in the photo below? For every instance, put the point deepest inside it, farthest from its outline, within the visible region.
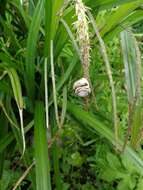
(109, 73)
(46, 93)
(54, 85)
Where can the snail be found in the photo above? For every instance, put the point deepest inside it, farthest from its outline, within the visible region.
(81, 87)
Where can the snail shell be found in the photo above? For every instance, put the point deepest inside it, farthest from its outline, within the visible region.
(82, 88)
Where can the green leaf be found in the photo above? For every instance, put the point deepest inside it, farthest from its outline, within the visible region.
(114, 18)
(3, 132)
(140, 184)
(9, 32)
(31, 49)
(95, 125)
(103, 4)
(55, 17)
(110, 174)
(133, 18)
(48, 18)
(55, 152)
(41, 149)
(16, 87)
(113, 161)
(132, 64)
(127, 183)
(76, 159)
(9, 137)
(129, 56)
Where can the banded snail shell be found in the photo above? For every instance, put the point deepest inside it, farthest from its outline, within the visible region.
(82, 87)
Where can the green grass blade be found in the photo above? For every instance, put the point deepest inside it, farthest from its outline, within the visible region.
(129, 58)
(65, 77)
(89, 120)
(75, 45)
(46, 92)
(54, 83)
(64, 105)
(119, 15)
(136, 126)
(5, 141)
(132, 64)
(103, 4)
(60, 40)
(9, 32)
(48, 17)
(41, 150)
(22, 12)
(109, 73)
(133, 18)
(55, 151)
(31, 49)
(9, 137)
(16, 86)
(67, 73)
(55, 17)
(3, 132)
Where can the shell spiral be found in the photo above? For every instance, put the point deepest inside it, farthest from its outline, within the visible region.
(81, 87)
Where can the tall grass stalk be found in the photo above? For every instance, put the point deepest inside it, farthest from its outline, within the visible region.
(109, 73)
(82, 31)
(132, 62)
(54, 84)
(43, 178)
(46, 92)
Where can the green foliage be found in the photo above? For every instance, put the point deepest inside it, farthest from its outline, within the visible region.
(79, 155)
(41, 150)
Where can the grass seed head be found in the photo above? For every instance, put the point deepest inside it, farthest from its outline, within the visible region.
(82, 32)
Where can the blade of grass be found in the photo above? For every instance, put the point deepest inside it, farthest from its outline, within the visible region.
(104, 4)
(60, 40)
(43, 180)
(75, 45)
(8, 60)
(17, 136)
(133, 18)
(55, 17)
(46, 93)
(132, 64)
(109, 73)
(90, 120)
(22, 12)
(7, 116)
(129, 58)
(31, 49)
(48, 17)
(9, 137)
(119, 15)
(64, 106)
(9, 32)
(65, 77)
(16, 86)
(54, 84)
(55, 149)
(67, 73)
(3, 132)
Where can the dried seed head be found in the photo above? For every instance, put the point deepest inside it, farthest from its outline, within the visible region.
(82, 87)
(83, 35)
